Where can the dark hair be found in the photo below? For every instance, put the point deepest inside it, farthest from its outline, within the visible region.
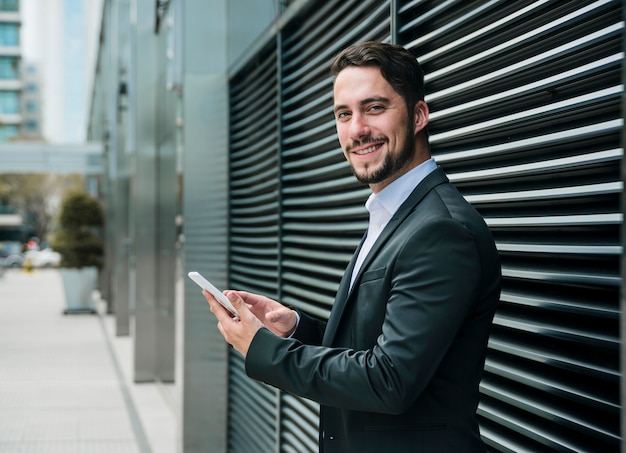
(397, 65)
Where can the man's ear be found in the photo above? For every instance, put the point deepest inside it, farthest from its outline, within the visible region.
(420, 116)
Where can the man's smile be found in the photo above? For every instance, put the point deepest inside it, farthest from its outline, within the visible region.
(368, 150)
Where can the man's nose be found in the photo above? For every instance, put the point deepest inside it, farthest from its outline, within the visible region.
(359, 127)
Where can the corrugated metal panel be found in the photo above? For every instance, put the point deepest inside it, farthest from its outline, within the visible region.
(525, 119)
(254, 167)
(299, 424)
(252, 411)
(525, 100)
(254, 234)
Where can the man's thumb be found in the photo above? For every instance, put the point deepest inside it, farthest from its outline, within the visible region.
(235, 299)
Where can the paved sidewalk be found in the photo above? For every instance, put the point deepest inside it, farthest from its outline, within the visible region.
(65, 384)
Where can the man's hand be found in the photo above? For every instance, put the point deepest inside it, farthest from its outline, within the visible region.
(275, 316)
(255, 311)
(238, 331)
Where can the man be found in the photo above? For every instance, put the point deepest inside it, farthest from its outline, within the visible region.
(397, 366)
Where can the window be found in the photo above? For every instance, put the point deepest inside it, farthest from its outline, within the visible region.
(9, 34)
(31, 106)
(9, 5)
(31, 125)
(9, 102)
(9, 67)
(8, 132)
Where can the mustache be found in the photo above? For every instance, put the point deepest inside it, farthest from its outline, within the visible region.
(366, 141)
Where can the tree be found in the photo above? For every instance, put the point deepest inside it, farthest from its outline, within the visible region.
(80, 226)
(36, 197)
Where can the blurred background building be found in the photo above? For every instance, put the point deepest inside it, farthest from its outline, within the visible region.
(47, 58)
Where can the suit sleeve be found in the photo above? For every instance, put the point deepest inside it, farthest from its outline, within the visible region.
(310, 330)
(432, 283)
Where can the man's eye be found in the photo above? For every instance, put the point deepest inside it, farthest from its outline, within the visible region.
(342, 115)
(376, 108)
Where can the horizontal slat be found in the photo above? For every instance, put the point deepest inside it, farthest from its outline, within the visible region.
(563, 277)
(565, 220)
(540, 141)
(613, 250)
(558, 331)
(591, 308)
(542, 194)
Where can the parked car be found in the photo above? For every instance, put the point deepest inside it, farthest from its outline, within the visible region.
(11, 254)
(43, 258)
(14, 261)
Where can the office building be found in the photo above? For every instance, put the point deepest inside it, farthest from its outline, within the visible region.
(10, 56)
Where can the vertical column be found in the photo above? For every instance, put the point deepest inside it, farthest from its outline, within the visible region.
(205, 214)
(166, 218)
(144, 197)
(109, 69)
(120, 271)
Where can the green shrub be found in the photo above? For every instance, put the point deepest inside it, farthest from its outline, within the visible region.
(78, 237)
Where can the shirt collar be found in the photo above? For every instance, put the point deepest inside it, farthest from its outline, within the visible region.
(396, 193)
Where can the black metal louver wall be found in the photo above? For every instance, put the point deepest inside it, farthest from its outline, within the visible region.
(525, 119)
(254, 233)
(525, 99)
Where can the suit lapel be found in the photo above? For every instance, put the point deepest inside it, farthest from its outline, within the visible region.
(344, 293)
(341, 297)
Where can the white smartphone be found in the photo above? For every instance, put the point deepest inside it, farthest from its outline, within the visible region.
(221, 298)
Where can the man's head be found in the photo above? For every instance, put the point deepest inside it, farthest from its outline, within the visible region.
(380, 111)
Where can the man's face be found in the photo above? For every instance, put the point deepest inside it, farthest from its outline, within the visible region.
(376, 133)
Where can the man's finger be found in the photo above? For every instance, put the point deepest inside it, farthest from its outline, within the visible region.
(216, 308)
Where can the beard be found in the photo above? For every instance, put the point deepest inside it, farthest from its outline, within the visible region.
(392, 164)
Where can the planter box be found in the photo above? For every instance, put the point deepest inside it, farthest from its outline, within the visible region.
(79, 285)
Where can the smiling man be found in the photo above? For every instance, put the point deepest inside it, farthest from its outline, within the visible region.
(377, 134)
(398, 363)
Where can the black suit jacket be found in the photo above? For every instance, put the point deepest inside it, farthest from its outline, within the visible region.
(397, 366)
